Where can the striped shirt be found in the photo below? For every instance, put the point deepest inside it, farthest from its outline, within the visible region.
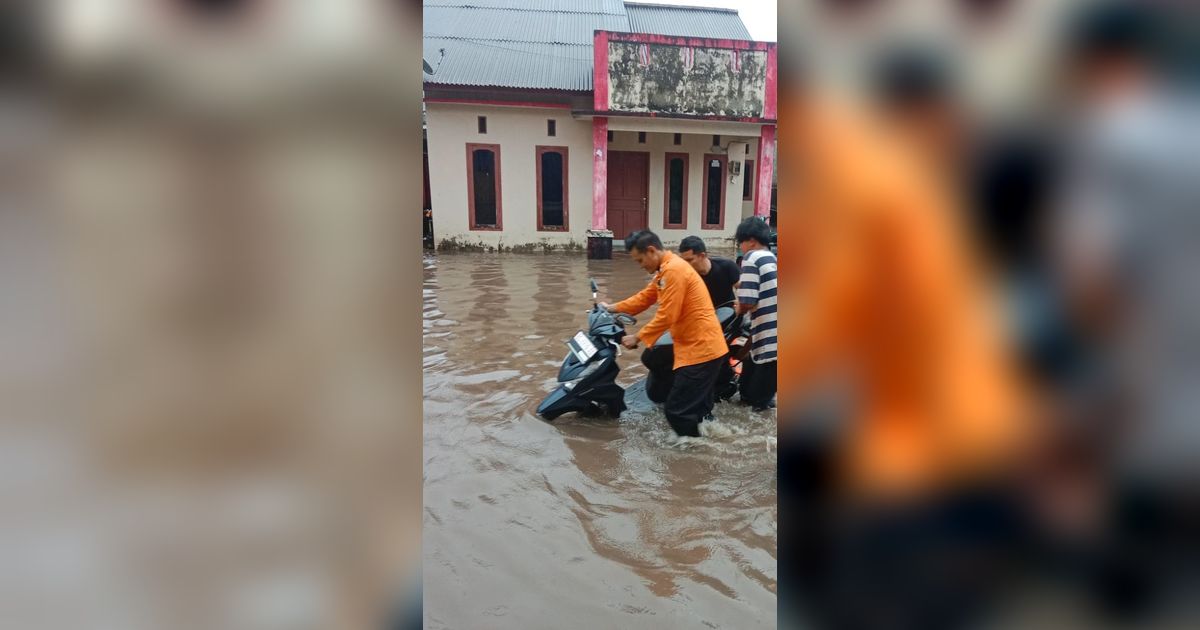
(758, 289)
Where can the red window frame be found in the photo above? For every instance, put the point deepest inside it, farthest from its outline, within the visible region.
(566, 226)
(495, 149)
(667, 191)
(749, 178)
(704, 224)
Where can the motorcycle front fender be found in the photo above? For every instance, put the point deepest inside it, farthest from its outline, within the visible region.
(557, 403)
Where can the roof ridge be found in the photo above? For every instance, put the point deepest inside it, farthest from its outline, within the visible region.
(465, 5)
(682, 6)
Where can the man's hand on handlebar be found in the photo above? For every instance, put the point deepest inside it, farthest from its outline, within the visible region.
(606, 306)
(629, 341)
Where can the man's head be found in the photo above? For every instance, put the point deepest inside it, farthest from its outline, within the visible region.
(692, 250)
(1110, 48)
(752, 233)
(646, 249)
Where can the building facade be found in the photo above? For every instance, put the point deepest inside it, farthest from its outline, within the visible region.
(555, 127)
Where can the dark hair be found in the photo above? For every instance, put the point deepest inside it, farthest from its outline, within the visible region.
(910, 75)
(641, 240)
(692, 244)
(753, 228)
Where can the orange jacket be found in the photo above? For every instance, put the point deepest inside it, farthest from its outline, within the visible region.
(684, 308)
(889, 290)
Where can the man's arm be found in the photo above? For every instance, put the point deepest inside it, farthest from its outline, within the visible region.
(639, 302)
(747, 292)
(670, 305)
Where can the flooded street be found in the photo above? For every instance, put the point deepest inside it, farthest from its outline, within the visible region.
(586, 522)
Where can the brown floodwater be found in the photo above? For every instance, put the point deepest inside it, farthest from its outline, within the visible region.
(583, 522)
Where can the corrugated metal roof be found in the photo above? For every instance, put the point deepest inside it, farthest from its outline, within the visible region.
(685, 21)
(546, 43)
(519, 26)
(510, 64)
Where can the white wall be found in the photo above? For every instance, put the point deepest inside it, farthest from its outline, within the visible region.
(519, 131)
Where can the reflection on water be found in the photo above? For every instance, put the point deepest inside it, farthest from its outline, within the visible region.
(606, 523)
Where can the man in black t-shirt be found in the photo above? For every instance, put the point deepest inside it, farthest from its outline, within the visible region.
(720, 275)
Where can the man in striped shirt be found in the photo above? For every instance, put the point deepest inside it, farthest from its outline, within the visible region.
(757, 296)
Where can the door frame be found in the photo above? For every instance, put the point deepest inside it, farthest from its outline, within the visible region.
(646, 208)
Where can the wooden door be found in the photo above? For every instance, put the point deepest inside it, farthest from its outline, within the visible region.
(628, 192)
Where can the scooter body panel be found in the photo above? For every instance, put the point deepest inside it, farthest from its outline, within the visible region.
(589, 387)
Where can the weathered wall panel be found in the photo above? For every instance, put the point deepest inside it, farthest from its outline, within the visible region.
(683, 80)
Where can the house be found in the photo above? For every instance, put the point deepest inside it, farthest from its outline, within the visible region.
(559, 123)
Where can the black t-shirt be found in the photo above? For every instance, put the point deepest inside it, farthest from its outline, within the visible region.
(720, 280)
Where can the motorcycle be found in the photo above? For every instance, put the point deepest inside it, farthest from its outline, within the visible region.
(659, 359)
(588, 374)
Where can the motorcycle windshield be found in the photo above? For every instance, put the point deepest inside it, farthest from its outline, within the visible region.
(602, 324)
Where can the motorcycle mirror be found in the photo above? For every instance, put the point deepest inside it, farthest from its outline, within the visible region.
(595, 288)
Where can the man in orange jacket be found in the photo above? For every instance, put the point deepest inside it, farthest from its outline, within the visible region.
(685, 309)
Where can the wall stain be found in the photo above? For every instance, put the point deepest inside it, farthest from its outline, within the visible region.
(462, 244)
(711, 87)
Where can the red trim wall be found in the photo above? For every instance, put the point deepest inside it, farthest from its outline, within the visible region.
(704, 225)
(566, 226)
(771, 90)
(766, 171)
(599, 173)
(695, 42)
(600, 70)
(495, 148)
(667, 191)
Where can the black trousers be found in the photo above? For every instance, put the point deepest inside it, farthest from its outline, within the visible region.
(757, 385)
(691, 396)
